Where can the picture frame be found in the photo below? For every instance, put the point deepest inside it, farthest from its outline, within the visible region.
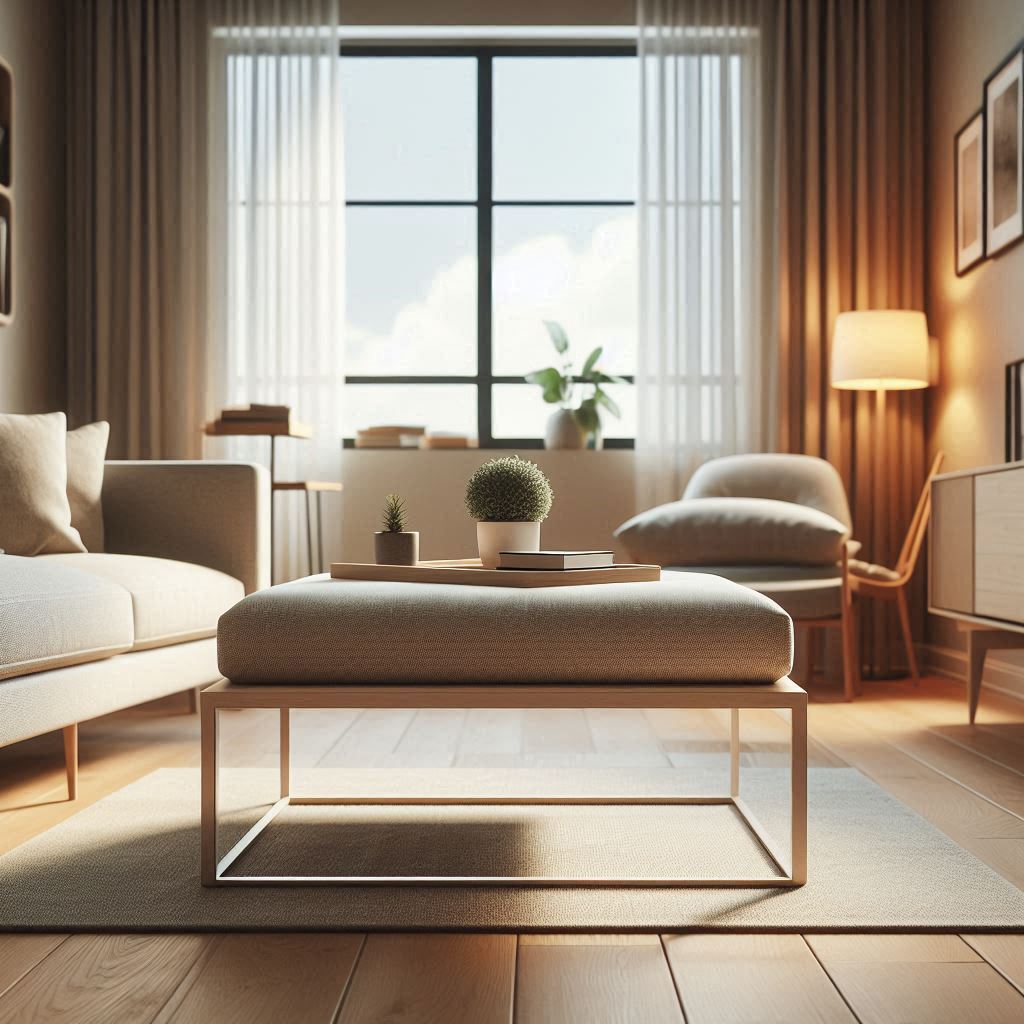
(1014, 411)
(969, 194)
(1004, 153)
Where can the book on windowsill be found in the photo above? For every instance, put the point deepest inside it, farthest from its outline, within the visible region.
(256, 411)
(555, 560)
(444, 440)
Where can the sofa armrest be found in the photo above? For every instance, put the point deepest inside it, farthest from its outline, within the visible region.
(215, 514)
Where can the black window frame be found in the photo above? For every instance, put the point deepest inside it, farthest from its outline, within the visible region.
(485, 204)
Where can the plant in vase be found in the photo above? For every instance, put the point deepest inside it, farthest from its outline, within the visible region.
(393, 544)
(572, 425)
(509, 497)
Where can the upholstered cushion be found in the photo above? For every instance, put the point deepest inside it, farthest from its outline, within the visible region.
(52, 615)
(733, 531)
(171, 601)
(87, 448)
(34, 510)
(802, 591)
(691, 628)
(871, 570)
(801, 479)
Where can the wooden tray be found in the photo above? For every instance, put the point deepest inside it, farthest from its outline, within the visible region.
(468, 571)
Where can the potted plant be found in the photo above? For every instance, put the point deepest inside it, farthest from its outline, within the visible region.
(571, 425)
(393, 544)
(509, 497)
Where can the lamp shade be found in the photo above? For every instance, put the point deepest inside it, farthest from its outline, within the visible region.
(880, 349)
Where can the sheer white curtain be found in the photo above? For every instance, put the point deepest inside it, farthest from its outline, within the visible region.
(277, 243)
(705, 378)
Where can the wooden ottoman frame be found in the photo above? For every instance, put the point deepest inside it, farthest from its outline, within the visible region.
(783, 694)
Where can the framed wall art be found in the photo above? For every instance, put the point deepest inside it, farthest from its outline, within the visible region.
(969, 192)
(1004, 155)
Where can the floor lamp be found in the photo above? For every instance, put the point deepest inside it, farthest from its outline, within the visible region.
(880, 350)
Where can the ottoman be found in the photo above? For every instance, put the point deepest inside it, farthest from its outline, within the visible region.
(689, 641)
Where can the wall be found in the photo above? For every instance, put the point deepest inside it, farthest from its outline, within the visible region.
(593, 495)
(976, 318)
(32, 349)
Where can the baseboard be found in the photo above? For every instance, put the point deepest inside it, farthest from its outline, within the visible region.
(1005, 677)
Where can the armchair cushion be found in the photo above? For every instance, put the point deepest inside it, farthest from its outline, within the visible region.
(734, 531)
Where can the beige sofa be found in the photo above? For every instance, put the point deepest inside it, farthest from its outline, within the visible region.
(85, 634)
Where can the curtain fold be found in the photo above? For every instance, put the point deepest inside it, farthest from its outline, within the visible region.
(277, 243)
(136, 223)
(826, 173)
(844, 87)
(704, 374)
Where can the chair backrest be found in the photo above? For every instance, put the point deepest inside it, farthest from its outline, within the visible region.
(907, 561)
(801, 479)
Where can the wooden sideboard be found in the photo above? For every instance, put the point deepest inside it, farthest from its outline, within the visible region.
(976, 560)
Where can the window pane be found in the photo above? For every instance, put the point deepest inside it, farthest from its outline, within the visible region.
(565, 127)
(576, 265)
(410, 127)
(450, 407)
(410, 290)
(519, 411)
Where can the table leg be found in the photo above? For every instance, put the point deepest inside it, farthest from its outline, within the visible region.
(286, 753)
(309, 531)
(320, 531)
(209, 727)
(798, 792)
(734, 753)
(979, 643)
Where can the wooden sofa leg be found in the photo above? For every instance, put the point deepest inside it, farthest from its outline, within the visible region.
(71, 759)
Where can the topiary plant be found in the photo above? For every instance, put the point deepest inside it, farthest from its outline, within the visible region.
(393, 518)
(509, 490)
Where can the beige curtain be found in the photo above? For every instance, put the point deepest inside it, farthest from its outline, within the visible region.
(136, 223)
(845, 92)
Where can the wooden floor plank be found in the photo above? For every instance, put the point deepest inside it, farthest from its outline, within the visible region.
(369, 741)
(888, 993)
(1004, 952)
(925, 949)
(268, 979)
(431, 739)
(20, 953)
(103, 979)
(624, 739)
(432, 979)
(734, 979)
(593, 980)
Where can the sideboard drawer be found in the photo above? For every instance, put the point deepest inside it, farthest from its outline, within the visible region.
(952, 545)
(999, 545)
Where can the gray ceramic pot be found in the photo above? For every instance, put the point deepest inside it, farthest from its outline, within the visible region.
(563, 431)
(397, 548)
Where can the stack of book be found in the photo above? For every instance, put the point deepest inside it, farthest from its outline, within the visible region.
(555, 560)
(389, 437)
(257, 418)
(441, 439)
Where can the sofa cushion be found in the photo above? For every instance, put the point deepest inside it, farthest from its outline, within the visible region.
(87, 448)
(171, 601)
(34, 510)
(53, 615)
(734, 531)
(693, 628)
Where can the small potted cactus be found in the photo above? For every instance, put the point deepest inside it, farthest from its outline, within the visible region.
(393, 544)
(509, 497)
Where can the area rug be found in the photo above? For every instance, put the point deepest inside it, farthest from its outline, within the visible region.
(130, 862)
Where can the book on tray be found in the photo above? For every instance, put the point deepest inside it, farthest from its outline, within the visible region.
(256, 411)
(555, 560)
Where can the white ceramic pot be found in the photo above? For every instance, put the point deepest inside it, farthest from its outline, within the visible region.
(563, 431)
(492, 538)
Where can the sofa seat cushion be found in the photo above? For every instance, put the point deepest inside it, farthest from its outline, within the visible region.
(691, 628)
(172, 602)
(53, 615)
(803, 591)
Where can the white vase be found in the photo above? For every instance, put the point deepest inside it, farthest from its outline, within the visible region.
(563, 431)
(492, 538)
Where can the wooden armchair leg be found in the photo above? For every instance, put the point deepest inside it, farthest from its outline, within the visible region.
(71, 759)
(908, 639)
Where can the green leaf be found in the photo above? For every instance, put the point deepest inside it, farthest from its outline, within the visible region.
(558, 336)
(603, 398)
(608, 378)
(592, 359)
(551, 382)
(587, 415)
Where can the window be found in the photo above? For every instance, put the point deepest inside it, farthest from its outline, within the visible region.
(488, 190)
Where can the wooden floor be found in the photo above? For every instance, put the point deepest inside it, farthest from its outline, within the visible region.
(968, 781)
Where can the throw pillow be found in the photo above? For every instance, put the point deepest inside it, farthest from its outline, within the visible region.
(87, 450)
(733, 531)
(34, 510)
